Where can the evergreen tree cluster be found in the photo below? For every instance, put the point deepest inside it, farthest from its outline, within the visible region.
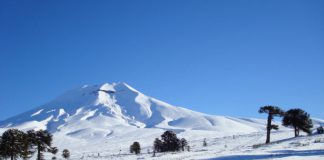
(295, 118)
(169, 142)
(16, 144)
(135, 148)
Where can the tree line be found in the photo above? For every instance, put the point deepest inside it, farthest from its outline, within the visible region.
(18, 144)
(296, 118)
(169, 142)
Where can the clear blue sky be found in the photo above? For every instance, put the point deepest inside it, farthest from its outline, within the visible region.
(218, 57)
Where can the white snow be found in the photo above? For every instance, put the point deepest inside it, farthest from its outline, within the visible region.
(107, 118)
(37, 113)
(89, 114)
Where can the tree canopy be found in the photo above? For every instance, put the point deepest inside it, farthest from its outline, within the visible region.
(272, 111)
(135, 148)
(299, 120)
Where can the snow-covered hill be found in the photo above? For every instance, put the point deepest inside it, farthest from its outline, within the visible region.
(99, 107)
(116, 114)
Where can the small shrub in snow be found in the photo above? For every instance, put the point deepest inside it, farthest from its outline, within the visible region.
(320, 130)
(135, 148)
(188, 148)
(300, 144)
(66, 154)
(317, 140)
(183, 144)
(205, 143)
(257, 146)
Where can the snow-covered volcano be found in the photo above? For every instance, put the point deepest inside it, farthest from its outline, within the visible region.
(118, 104)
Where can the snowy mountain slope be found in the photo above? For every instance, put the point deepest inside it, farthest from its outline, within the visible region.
(116, 115)
(119, 104)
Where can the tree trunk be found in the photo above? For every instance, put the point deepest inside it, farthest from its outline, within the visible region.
(38, 153)
(296, 131)
(268, 128)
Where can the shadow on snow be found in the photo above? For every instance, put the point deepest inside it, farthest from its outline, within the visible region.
(275, 154)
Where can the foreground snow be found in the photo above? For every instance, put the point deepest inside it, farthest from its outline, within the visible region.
(238, 147)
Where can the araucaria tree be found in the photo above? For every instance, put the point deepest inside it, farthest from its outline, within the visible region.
(42, 139)
(272, 111)
(1, 149)
(299, 120)
(66, 154)
(27, 146)
(135, 148)
(170, 141)
(183, 144)
(17, 144)
(157, 145)
(11, 144)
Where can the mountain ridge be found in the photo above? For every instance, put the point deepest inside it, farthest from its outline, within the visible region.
(116, 100)
(95, 109)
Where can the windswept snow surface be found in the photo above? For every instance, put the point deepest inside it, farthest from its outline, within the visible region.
(107, 118)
